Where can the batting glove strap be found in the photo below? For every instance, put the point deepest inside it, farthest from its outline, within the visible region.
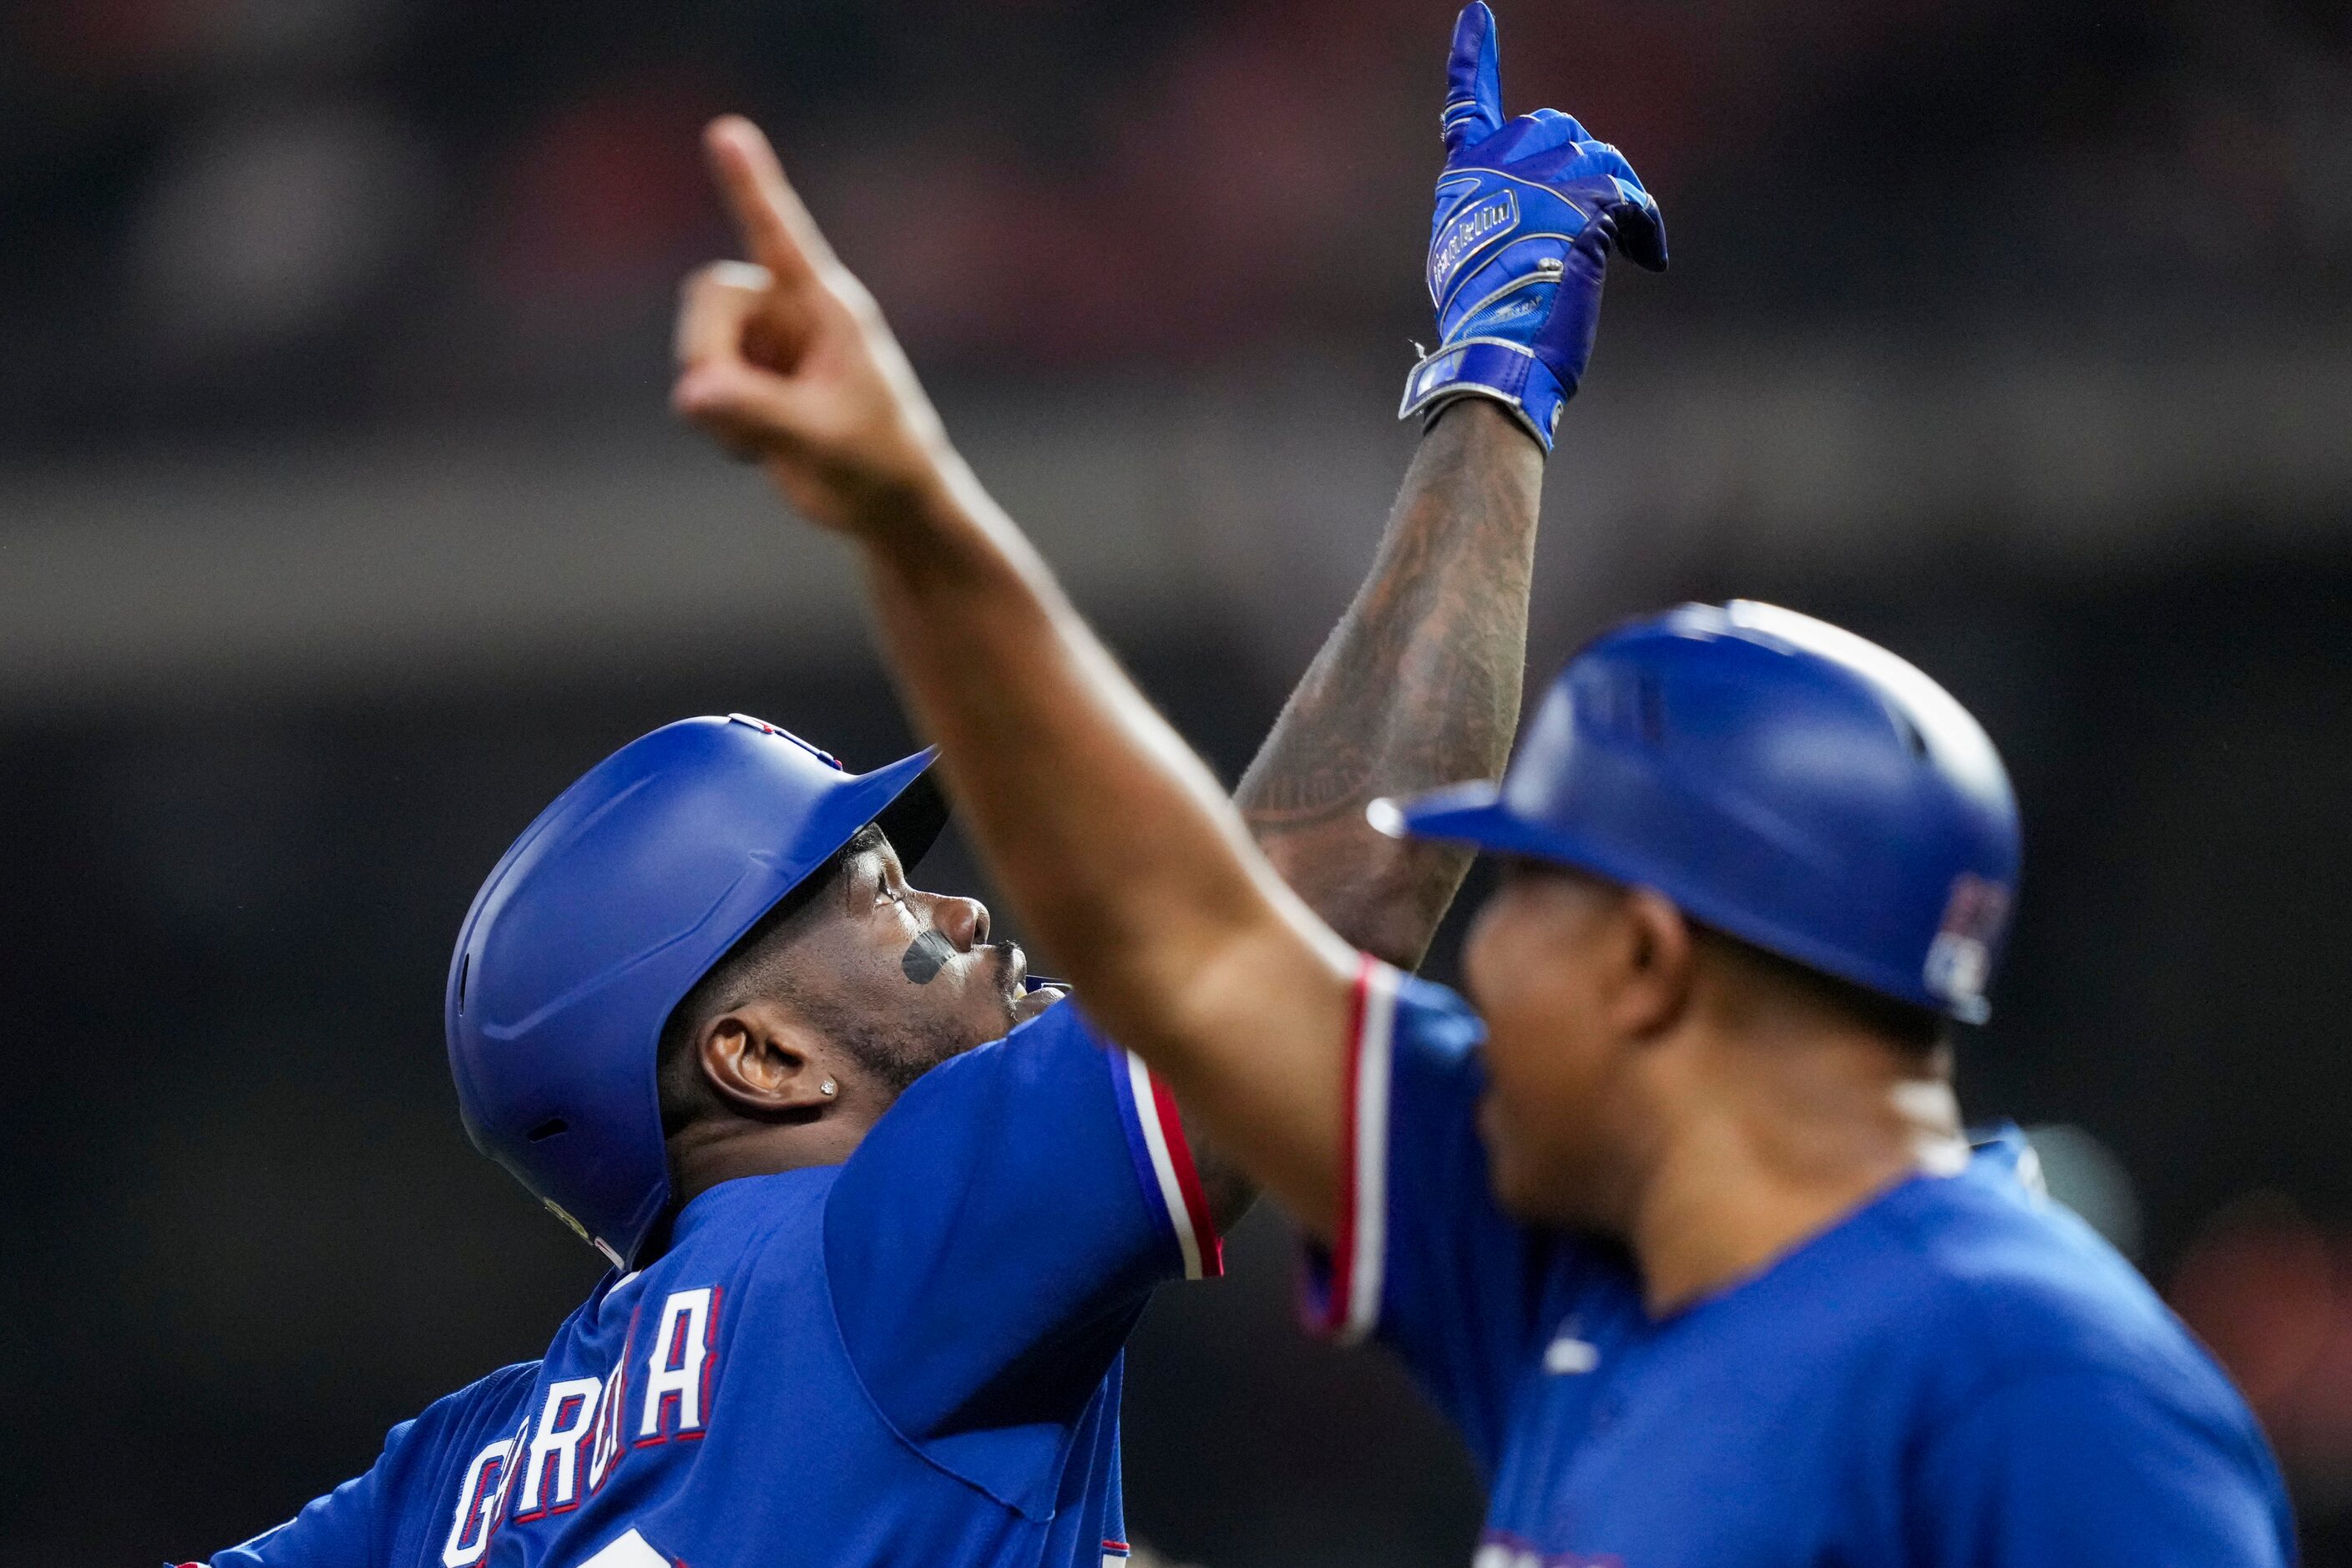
(1496, 368)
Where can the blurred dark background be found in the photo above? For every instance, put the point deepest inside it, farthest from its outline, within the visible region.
(342, 525)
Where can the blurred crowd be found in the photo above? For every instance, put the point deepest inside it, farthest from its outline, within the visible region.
(303, 210)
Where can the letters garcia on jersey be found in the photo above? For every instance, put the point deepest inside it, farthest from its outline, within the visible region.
(578, 1429)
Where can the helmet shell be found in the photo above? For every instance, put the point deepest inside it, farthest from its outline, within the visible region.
(1779, 779)
(597, 922)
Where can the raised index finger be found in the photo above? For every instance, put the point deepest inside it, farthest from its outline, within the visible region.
(775, 226)
(1474, 80)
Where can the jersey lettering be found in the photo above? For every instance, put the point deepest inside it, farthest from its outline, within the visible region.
(679, 1367)
(470, 1531)
(550, 1468)
(607, 1445)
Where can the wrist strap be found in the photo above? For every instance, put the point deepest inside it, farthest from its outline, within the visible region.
(1496, 368)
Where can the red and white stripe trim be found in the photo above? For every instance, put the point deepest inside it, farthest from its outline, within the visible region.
(1180, 1180)
(1360, 1242)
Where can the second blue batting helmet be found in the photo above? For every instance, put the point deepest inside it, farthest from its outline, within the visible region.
(604, 914)
(1780, 780)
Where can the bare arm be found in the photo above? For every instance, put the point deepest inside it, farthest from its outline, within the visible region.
(1418, 686)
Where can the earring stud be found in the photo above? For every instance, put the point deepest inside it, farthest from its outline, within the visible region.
(828, 1087)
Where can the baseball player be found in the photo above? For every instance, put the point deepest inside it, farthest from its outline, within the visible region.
(1685, 1236)
(871, 1273)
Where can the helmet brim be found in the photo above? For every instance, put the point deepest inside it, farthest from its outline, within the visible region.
(914, 819)
(1471, 813)
(1475, 814)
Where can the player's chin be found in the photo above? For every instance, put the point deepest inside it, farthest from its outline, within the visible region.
(974, 1021)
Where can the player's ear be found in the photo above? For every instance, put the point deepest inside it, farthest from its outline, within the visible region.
(764, 1061)
(1653, 987)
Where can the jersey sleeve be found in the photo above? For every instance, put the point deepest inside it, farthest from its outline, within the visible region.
(992, 1242)
(337, 1531)
(1422, 1259)
(2090, 1469)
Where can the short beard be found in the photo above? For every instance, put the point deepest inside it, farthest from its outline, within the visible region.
(894, 1048)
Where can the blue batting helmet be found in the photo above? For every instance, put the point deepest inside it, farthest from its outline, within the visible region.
(604, 914)
(1781, 781)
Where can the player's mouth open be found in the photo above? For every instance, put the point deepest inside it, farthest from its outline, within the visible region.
(1024, 1002)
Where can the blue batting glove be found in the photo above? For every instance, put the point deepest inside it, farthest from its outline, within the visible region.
(1528, 211)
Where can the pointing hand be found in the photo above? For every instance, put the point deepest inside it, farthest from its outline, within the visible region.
(1528, 211)
(785, 360)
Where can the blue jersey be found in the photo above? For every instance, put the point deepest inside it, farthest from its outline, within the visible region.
(910, 1358)
(1959, 1375)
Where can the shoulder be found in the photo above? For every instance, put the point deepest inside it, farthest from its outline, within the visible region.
(1437, 1016)
(1398, 1014)
(492, 1398)
(456, 1423)
(956, 1128)
(446, 1434)
(2012, 1288)
(2046, 1350)
(1419, 1037)
(737, 1218)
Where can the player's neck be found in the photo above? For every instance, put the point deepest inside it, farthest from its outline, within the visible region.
(1774, 1148)
(722, 1148)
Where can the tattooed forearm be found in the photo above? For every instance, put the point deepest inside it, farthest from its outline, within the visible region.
(1418, 686)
